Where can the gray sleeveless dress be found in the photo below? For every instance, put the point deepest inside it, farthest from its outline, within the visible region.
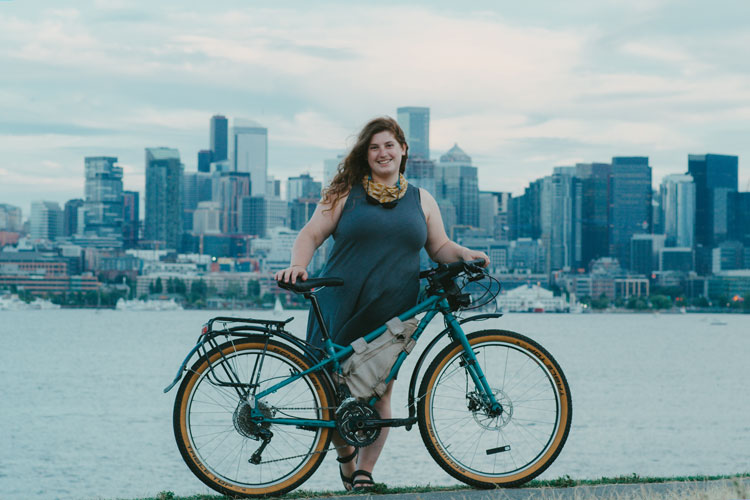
(376, 253)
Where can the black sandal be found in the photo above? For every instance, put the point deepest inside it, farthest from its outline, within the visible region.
(348, 485)
(362, 485)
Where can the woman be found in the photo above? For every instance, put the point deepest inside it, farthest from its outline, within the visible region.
(379, 223)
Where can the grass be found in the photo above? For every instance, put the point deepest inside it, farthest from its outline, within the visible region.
(736, 491)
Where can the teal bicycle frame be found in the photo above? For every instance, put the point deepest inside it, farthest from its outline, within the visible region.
(336, 353)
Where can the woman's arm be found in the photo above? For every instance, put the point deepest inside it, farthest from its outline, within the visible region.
(439, 247)
(320, 226)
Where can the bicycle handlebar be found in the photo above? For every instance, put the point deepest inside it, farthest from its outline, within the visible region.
(451, 269)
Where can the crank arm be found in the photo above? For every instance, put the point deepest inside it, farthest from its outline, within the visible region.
(387, 422)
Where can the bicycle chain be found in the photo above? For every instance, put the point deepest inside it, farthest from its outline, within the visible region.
(302, 455)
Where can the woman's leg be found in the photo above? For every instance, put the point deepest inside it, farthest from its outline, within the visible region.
(369, 455)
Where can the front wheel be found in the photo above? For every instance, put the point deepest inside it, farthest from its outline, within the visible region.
(486, 448)
(217, 436)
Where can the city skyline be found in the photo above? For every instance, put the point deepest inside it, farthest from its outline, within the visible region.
(579, 83)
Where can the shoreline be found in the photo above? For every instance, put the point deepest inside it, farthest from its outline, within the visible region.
(621, 487)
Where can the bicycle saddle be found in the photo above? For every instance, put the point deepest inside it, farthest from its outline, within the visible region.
(309, 284)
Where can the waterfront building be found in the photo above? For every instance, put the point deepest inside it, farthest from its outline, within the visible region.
(644, 252)
(731, 285)
(46, 220)
(103, 203)
(249, 153)
(415, 122)
(678, 207)
(727, 256)
(715, 177)
(163, 221)
(630, 204)
(676, 259)
(219, 138)
(531, 298)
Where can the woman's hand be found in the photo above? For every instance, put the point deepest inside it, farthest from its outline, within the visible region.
(291, 273)
(466, 254)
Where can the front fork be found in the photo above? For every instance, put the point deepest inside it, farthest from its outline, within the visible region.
(472, 366)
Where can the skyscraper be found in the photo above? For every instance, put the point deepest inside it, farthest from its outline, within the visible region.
(678, 203)
(46, 220)
(219, 138)
(302, 186)
(715, 176)
(594, 210)
(71, 216)
(130, 218)
(196, 187)
(205, 157)
(564, 217)
(103, 202)
(630, 204)
(460, 185)
(163, 224)
(229, 188)
(415, 122)
(249, 152)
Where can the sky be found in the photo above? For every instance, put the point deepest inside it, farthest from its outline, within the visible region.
(521, 87)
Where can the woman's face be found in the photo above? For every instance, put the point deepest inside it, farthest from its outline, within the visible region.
(384, 157)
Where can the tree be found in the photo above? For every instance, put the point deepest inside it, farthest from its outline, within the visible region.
(253, 288)
(660, 302)
(158, 286)
(601, 303)
(179, 286)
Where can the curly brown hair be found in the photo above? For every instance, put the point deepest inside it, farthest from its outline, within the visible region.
(354, 167)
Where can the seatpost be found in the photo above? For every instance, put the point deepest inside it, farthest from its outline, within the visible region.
(318, 315)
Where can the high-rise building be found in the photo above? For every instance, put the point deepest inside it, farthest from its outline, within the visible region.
(10, 218)
(678, 207)
(103, 203)
(302, 186)
(421, 173)
(739, 227)
(644, 252)
(46, 220)
(163, 221)
(561, 218)
(205, 157)
(460, 185)
(715, 176)
(72, 216)
(229, 188)
(196, 187)
(300, 211)
(219, 138)
(629, 204)
(259, 215)
(415, 122)
(594, 211)
(330, 167)
(130, 218)
(249, 153)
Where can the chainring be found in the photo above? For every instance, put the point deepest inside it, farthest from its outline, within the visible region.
(350, 417)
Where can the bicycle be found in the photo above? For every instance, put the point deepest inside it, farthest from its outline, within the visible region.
(254, 414)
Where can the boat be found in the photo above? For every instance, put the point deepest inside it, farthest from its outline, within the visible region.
(278, 309)
(148, 305)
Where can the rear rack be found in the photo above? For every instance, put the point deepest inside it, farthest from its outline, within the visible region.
(269, 323)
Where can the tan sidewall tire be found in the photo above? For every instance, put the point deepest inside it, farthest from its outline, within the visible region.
(191, 457)
(561, 432)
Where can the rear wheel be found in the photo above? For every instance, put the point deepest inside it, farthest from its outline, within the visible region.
(217, 437)
(486, 449)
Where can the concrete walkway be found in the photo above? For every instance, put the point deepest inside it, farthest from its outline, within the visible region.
(677, 489)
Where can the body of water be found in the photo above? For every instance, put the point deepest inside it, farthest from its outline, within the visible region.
(83, 414)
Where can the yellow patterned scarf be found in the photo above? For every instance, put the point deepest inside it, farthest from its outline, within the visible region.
(384, 193)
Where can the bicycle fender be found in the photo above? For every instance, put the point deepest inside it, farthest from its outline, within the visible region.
(291, 339)
(415, 374)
